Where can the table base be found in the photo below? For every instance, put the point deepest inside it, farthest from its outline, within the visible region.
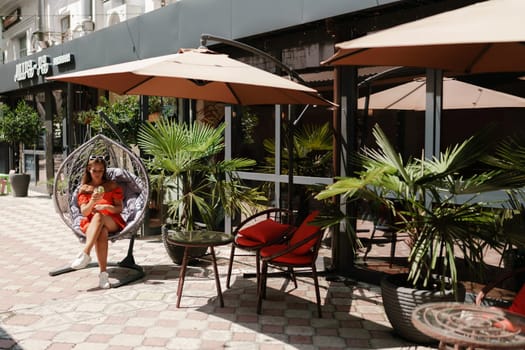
(182, 275)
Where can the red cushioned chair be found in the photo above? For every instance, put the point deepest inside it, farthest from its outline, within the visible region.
(518, 304)
(300, 251)
(264, 228)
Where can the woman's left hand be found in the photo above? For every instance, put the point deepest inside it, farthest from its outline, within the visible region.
(99, 207)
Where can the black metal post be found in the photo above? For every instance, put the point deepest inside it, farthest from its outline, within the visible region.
(342, 252)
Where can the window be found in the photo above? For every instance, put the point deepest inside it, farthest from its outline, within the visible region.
(22, 44)
(65, 25)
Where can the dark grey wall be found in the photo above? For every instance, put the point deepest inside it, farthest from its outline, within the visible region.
(180, 25)
(4, 158)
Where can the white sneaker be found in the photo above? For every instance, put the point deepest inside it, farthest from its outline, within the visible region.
(81, 261)
(103, 280)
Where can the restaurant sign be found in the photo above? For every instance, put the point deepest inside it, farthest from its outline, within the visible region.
(29, 69)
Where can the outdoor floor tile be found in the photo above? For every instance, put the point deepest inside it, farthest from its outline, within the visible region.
(69, 311)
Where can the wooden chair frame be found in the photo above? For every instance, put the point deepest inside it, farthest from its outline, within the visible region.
(270, 260)
(381, 222)
(281, 215)
(480, 297)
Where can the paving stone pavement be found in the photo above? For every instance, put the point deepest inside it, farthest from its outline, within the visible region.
(69, 311)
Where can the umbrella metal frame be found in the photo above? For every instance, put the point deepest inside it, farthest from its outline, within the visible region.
(290, 121)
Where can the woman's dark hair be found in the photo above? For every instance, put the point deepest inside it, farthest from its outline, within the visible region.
(86, 177)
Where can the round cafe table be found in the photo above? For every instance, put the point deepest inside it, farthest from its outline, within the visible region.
(199, 239)
(469, 326)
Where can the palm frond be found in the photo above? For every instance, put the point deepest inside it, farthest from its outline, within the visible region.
(185, 158)
(423, 195)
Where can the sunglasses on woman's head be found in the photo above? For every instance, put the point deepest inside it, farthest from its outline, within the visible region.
(104, 158)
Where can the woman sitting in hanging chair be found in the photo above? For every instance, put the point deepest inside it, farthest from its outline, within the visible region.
(100, 202)
(96, 219)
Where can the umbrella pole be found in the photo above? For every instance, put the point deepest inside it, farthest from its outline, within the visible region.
(290, 156)
(290, 71)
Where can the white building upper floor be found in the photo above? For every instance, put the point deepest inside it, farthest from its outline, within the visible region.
(29, 26)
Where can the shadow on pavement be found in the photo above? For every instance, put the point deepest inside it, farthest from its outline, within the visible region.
(283, 307)
(6, 341)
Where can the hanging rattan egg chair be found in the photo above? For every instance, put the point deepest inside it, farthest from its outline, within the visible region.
(124, 167)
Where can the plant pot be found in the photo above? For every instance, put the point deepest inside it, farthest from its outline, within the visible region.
(19, 184)
(152, 222)
(153, 117)
(399, 301)
(176, 253)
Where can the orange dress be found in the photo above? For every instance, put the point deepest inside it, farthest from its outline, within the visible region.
(109, 196)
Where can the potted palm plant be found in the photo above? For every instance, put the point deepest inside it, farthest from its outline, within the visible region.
(425, 197)
(510, 158)
(20, 127)
(200, 188)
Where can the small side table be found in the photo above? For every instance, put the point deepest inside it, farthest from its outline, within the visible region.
(469, 326)
(199, 238)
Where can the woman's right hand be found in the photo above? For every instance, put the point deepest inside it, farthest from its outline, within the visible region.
(96, 197)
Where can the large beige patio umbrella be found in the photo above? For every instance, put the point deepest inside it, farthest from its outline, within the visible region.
(484, 37)
(456, 95)
(197, 74)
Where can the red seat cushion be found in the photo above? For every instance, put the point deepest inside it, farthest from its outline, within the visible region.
(518, 305)
(290, 258)
(265, 231)
(246, 242)
(304, 231)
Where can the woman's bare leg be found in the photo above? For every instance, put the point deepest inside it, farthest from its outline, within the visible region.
(108, 225)
(93, 232)
(101, 248)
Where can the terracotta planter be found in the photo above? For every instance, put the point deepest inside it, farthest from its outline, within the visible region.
(19, 184)
(399, 301)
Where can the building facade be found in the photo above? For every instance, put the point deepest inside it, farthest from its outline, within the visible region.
(49, 37)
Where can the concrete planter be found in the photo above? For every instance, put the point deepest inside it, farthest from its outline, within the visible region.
(19, 184)
(400, 300)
